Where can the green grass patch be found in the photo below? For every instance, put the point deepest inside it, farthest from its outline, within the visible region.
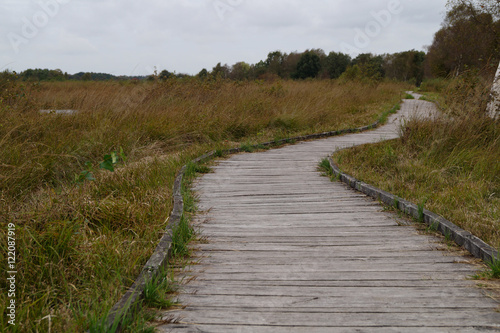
(494, 266)
(157, 291)
(491, 273)
(326, 167)
(383, 118)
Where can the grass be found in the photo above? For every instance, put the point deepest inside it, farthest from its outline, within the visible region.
(492, 271)
(494, 266)
(138, 323)
(325, 166)
(449, 163)
(157, 291)
(81, 242)
(383, 118)
(434, 227)
(437, 85)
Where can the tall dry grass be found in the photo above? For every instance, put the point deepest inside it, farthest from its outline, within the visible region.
(451, 164)
(81, 244)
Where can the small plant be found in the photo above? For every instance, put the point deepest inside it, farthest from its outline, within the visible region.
(180, 238)
(383, 118)
(494, 266)
(112, 159)
(327, 168)
(108, 163)
(190, 173)
(448, 236)
(433, 227)
(247, 147)
(99, 325)
(492, 273)
(157, 290)
(396, 202)
(409, 96)
(127, 323)
(85, 175)
(325, 165)
(192, 169)
(421, 212)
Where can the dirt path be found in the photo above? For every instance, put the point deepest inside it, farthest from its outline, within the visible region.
(287, 250)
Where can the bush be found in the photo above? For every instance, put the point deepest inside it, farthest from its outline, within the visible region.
(434, 85)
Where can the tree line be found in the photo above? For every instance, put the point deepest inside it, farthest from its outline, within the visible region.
(316, 63)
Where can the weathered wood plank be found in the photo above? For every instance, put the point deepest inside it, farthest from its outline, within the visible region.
(197, 328)
(444, 283)
(429, 291)
(363, 319)
(239, 246)
(358, 275)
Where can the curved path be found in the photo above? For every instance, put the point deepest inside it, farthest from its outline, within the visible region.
(286, 250)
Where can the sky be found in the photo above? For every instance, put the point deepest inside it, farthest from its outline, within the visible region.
(125, 37)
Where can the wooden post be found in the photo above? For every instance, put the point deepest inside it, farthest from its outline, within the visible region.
(494, 105)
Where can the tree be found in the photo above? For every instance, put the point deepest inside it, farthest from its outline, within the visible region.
(86, 76)
(38, 74)
(370, 65)
(220, 71)
(405, 66)
(203, 74)
(289, 65)
(469, 37)
(309, 65)
(337, 63)
(240, 71)
(165, 75)
(274, 62)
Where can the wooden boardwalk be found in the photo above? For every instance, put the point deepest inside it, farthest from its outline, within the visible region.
(286, 250)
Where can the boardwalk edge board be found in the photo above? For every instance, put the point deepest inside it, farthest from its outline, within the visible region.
(477, 247)
(130, 301)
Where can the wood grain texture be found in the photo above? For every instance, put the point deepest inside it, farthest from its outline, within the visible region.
(286, 250)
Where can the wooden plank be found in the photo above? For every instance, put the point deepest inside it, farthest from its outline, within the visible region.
(428, 291)
(331, 245)
(358, 275)
(365, 319)
(285, 258)
(255, 285)
(179, 328)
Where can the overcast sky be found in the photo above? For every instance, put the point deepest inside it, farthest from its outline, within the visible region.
(125, 37)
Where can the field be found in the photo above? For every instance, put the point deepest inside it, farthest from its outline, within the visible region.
(84, 232)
